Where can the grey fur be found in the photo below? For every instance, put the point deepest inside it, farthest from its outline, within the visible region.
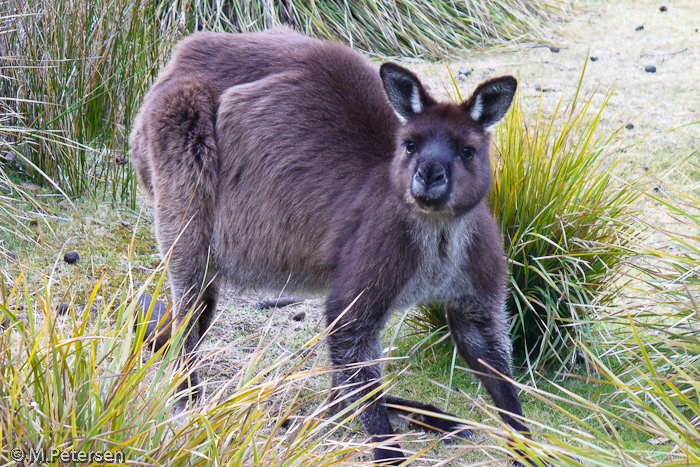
(276, 160)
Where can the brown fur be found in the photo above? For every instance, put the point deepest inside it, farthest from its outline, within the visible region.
(276, 160)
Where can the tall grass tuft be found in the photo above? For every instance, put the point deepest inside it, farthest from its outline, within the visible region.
(18, 207)
(85, 382)
(568, 223)
(647, 410)
(415, 28)
(73, 73)
(14, 221)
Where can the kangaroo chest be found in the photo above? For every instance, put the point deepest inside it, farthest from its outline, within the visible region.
(441, 273)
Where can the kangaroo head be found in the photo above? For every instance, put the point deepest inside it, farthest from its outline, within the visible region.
(442, 162)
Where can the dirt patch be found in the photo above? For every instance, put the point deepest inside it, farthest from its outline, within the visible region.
(240, 328)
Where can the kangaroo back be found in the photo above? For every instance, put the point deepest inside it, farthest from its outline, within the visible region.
(307, 144)
(217, 62)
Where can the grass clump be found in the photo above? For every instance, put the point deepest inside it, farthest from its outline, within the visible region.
(73, 74)
(647, 410)
(569, 224)
(414, 28)
(85, 382)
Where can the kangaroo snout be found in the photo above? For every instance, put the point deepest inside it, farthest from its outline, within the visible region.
(431, 175)
(430, 184)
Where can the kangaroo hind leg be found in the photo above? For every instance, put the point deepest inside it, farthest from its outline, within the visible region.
(184, 165)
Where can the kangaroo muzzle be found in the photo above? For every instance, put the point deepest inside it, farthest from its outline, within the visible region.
(430, 185)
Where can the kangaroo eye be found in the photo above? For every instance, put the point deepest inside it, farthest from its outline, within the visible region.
(410, 147)
(468, 152)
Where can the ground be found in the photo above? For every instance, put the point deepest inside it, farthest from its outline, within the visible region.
(606, 38)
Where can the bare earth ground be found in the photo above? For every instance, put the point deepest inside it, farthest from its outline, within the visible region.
(657, 104)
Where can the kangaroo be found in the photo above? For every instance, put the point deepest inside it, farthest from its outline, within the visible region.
(277, 160)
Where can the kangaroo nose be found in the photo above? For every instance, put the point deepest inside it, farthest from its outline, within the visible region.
(431, 175)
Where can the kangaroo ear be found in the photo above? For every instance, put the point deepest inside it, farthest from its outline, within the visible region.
(404, 90)
(491, 100)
